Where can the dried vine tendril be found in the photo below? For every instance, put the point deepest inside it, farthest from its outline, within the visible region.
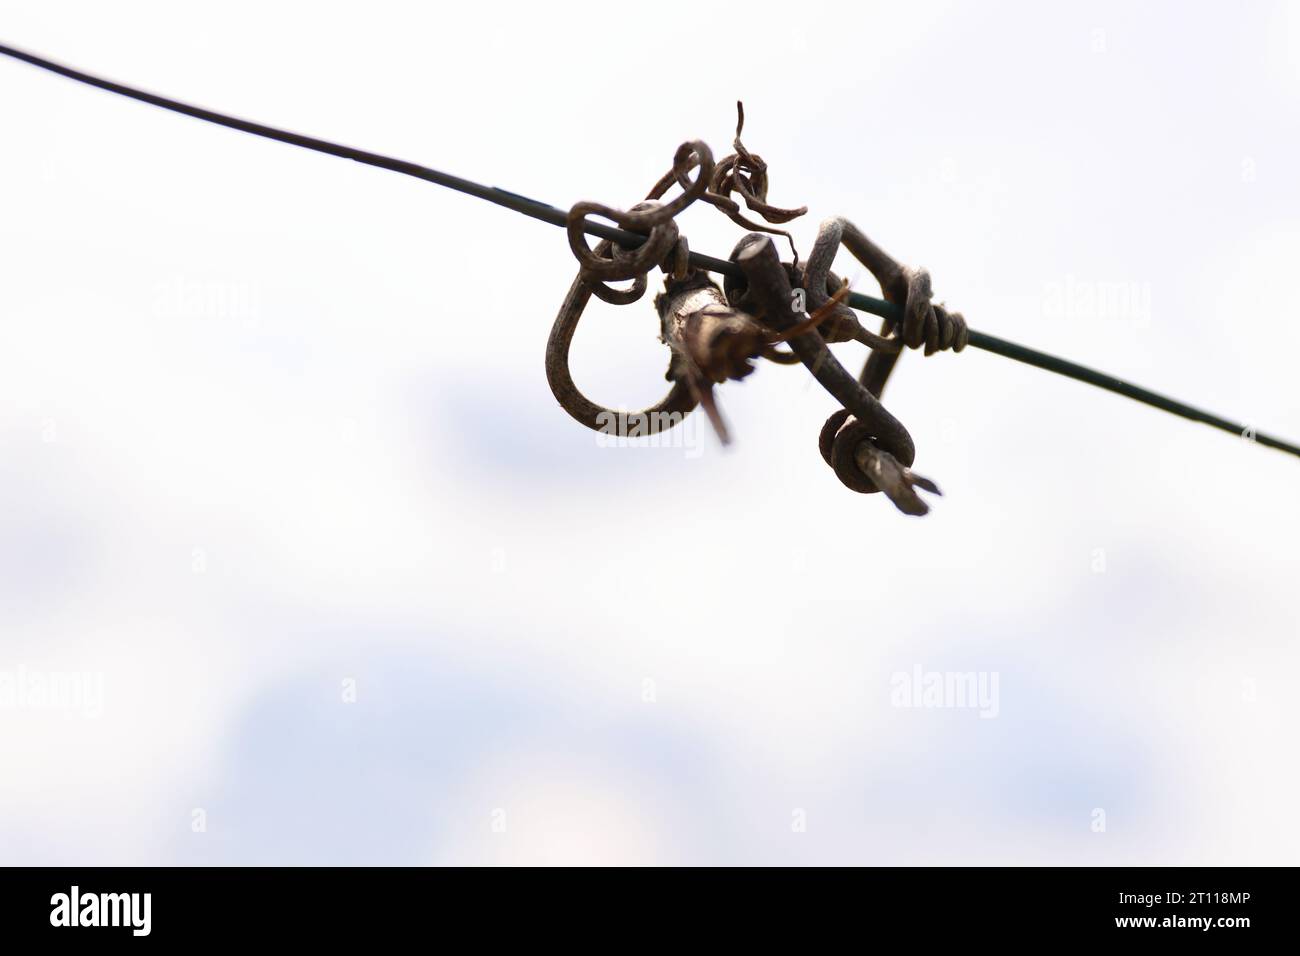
(746, 173)
(651, 218)
(717, 334)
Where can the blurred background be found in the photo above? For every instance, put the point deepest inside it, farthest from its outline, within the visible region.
(301, 563)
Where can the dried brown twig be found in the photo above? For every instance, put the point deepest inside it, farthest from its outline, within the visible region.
(717, 334)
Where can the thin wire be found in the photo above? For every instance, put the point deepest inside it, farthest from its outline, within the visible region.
(558, 217)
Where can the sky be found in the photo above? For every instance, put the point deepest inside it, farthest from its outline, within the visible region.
(301, 563)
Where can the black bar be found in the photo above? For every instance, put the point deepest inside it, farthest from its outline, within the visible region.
(437, 907)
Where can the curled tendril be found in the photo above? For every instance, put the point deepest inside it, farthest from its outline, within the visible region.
(664, 247)
(656, 220)
(746, 173)
(669, 411)
(742, 172)
(850, 447)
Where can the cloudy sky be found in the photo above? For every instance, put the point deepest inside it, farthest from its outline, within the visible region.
(300, 562)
